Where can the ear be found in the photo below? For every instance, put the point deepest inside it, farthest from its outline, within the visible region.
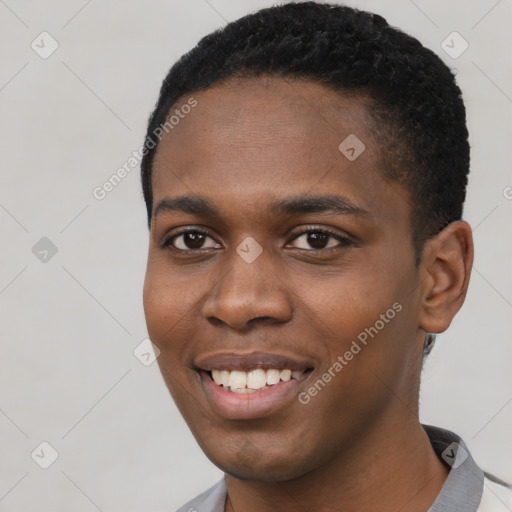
(446, 262)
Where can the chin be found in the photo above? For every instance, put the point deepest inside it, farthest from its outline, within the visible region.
(250, 462)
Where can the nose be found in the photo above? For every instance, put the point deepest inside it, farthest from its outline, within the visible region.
(248, 292)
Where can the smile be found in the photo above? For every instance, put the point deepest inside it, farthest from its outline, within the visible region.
(253, 381)
(250, 385)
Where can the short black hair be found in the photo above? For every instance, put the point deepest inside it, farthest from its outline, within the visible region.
(420, 118)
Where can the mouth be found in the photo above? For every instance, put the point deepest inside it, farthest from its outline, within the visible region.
(254, 381)
(249, 386)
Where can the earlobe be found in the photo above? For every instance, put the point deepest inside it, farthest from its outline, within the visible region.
(446, 265)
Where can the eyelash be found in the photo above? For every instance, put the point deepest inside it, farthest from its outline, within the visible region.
(343, 241)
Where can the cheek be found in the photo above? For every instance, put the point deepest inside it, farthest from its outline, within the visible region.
(347, 304)
(163, 305)
(171, 310)
(367, 334)
(378, 355)
(165, 311)
(155, 309)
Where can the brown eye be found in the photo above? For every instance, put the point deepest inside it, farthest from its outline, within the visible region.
(190, 240)
(318, 239)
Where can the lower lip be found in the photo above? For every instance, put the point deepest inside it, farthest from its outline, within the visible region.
(245, 406)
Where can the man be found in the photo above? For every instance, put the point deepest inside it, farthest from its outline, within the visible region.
(304, 175)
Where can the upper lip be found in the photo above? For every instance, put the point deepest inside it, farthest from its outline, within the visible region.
(245, 361)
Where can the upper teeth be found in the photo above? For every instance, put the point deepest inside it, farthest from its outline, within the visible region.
(246, 382)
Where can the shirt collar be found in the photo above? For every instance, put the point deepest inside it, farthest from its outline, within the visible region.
(462, 490)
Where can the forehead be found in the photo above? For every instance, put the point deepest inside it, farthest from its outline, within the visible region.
(253, 139)
(256, 112)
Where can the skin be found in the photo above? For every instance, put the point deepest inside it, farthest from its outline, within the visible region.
(358, 443)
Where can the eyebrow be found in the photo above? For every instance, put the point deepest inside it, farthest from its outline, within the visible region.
(198, 205)
(318, 204)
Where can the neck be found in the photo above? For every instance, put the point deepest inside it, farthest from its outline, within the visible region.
(392, 468)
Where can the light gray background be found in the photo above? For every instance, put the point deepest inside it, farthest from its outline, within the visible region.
(69, 326)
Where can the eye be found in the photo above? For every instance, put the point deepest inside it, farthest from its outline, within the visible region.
(320, 238)
(189, 240)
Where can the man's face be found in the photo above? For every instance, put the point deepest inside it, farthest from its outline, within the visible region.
(263, 153)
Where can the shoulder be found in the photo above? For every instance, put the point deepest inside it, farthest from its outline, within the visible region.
(496, 496)
(212, 500)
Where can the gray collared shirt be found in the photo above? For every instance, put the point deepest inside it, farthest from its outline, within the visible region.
(461, 492)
